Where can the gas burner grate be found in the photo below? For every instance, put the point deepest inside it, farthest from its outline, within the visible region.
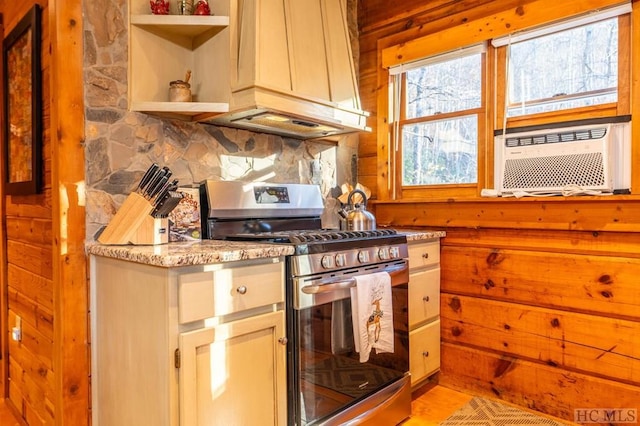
(330, 235)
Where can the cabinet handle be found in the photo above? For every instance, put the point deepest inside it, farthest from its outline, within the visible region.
(283, 340)
(425, 298)
(242, 289)
(425, 255)
(425, 354)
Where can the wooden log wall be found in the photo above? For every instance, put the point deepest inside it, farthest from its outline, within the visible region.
(45, 375)
(540, 303)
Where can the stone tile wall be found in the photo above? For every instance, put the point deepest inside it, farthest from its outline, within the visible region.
(121, 145)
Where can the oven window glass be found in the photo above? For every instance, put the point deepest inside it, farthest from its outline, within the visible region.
(331, 376)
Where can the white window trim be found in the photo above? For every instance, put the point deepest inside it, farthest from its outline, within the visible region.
(565, 24)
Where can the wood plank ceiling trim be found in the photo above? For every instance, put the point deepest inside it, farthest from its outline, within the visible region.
(536, 13)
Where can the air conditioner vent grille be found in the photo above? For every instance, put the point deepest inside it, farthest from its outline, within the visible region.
(583, 170)
(555, 137)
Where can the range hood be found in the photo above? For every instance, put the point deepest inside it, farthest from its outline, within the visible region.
(291, 69)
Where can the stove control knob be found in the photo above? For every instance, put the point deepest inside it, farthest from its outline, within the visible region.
(327, 262)
(394, 252)
(363, 256)
(383, 253)
(341, 260)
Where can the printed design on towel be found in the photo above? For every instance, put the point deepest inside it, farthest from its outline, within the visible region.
(372, 309)
(374, 319)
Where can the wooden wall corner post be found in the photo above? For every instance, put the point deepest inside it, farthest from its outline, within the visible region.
(71, 359)
(4, 351)
(635, 101)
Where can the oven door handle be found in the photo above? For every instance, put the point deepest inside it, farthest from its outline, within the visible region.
(327, 286)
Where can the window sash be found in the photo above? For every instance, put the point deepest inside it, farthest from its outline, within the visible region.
(565, 24)
(397, 105)
(563, 98)
(443, 57)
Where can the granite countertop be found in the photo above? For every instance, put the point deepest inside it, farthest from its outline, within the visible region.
(212, 251)
(420, 234)
(191, 253)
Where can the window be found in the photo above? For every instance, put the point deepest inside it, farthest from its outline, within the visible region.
(582, 71)
(438, 107)
(446, 107)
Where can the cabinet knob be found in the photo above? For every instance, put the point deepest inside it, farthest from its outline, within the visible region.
(425, 255)
(425, 354)
(242, 289)
(425, 298)
(283, 340)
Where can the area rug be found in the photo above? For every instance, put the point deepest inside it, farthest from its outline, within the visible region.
(486, 412)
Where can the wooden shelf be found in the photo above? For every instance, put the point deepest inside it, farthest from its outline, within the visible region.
(187, 109)
(189, 26)
(163, 47)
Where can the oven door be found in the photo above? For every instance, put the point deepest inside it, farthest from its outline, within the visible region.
(330, 379)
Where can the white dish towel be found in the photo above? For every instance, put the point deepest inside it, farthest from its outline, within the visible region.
(372, 314)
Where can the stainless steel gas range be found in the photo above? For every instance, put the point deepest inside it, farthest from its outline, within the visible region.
(346, 301)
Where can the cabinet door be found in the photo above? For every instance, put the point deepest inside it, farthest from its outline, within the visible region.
(234, 373)
(424, 351)
(424, 296)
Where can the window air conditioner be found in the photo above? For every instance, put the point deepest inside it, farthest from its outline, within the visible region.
(587, 159)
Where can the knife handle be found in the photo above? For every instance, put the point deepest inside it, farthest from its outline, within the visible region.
(147, 176)
(157, 188)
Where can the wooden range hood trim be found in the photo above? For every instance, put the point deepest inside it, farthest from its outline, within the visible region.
(294, 58)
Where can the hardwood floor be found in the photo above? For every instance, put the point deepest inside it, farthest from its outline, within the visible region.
(433, 403)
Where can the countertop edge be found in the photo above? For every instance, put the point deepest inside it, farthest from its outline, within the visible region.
(190, 253)
(212, 251)
(420, 235)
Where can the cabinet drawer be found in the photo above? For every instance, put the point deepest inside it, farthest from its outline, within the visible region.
(424, 254)
(424, 296)
(227, 290)
(424, 351)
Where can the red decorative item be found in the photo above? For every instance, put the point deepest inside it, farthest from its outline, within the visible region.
(159, 7)
(202, 8)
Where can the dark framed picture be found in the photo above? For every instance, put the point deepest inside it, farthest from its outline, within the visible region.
(23, 106)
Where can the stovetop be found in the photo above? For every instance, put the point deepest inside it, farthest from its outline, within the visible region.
(311, 236)
(323, 241)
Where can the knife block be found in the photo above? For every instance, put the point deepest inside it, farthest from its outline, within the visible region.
(152, 231)
(133, 214)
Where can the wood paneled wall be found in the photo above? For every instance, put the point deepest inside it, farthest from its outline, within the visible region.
(540, 300)
(29, 269)
(45, 375)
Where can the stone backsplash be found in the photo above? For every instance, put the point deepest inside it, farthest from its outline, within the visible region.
(121, 145)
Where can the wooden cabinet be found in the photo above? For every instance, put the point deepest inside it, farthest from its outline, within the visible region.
(188, 346)
(227, 373)
(424, 309)
(163, 47)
